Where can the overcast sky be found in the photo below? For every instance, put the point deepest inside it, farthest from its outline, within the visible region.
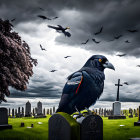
(84, 19)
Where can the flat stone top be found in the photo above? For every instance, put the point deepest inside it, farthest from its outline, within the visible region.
(134, 139)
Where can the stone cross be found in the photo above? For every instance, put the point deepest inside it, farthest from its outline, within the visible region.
(118, 85)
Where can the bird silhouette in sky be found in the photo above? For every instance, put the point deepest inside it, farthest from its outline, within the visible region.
(61, 29)
(138, 65)
(120, 55)
(98, 32)
(95, 41)
(43, 49)
(127, 41)
(53, 70)
(84, 87)
(67, 56)
(117, 37)
(13, 19)
(133, 31)
(126, 83)
(55, 17)
(43, 17)
(85, 42)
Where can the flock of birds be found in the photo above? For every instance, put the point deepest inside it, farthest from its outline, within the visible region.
(63, 30)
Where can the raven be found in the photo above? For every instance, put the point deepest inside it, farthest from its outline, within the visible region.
(85, 42)
(84, 86)
(117, 37)
(126, 83)
(43, 49)
(53, 70)
(127, 41)
(67, 56)
(120, 55)
(99, 31)
(60, 29)
(132, 31)
(95, 41)
(43, 17)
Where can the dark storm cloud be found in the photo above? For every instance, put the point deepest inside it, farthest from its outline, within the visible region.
(85, 18)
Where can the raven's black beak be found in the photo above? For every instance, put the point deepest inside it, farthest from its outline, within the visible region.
(108, 65)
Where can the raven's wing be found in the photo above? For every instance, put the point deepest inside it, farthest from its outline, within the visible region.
(70, 89)
(67, 34)
(53, 27)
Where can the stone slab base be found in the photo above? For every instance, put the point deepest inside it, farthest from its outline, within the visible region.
(5, 126)
(137, 123)
(40, 116)
(117, 117)
(134, 139)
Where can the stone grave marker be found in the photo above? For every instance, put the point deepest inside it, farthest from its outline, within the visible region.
(39, 108)
(91, 128)
(13, 113)
(138, 122)
(50, 111)
(63, 127)
(28, 109)
(22, 124)
(4, 119)
(22, 112)
(131, 113)
(53, 109)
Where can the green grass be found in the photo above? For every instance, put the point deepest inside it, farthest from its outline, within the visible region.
(112, 129)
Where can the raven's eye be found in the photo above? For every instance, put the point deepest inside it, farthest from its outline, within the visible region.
(100, 60)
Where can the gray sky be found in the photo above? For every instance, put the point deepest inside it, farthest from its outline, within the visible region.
(84, 19)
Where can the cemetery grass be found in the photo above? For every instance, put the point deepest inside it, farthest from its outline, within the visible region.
(111, 129)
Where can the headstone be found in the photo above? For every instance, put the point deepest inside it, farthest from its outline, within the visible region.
(4, 119)
(91, 128)
(39, 108)
(22, 124)
(28, 109)
(44, 112)
(138, 122)
(16, 112)
(134, 139)
(22, 111)
(13, 113)
(33, 112)
(54, 109)
(9, 114)
(50, 111)
(63, 127)
(131, 113)
(32, 125)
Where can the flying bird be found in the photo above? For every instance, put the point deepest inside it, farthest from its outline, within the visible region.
(61, 29)
(53, 70)
(41, 9)
(127, 41)
(54, 17)
(120, 55)
(132, 31)
(13, 19)
(99, 31)
(117, 37)
(95, 41)
(43, 17)
(43, 49)
(138, 65)
(85, 42)
(67, 56)
(84, 86)
(126, 83)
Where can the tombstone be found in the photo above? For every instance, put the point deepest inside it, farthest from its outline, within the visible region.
(91, 128)
(22, 112)
(28, 109)
(138, 122)
(48, 111)
(16, 112)
(44, 112)
(53, 109)
(116, 114)
(39, 108)
(33, 112)
(63, 127)
(9, 114)
(32, 125)
(134, 139)
(13, 113)
(22, 124)
(4, 119)
(131, 113)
